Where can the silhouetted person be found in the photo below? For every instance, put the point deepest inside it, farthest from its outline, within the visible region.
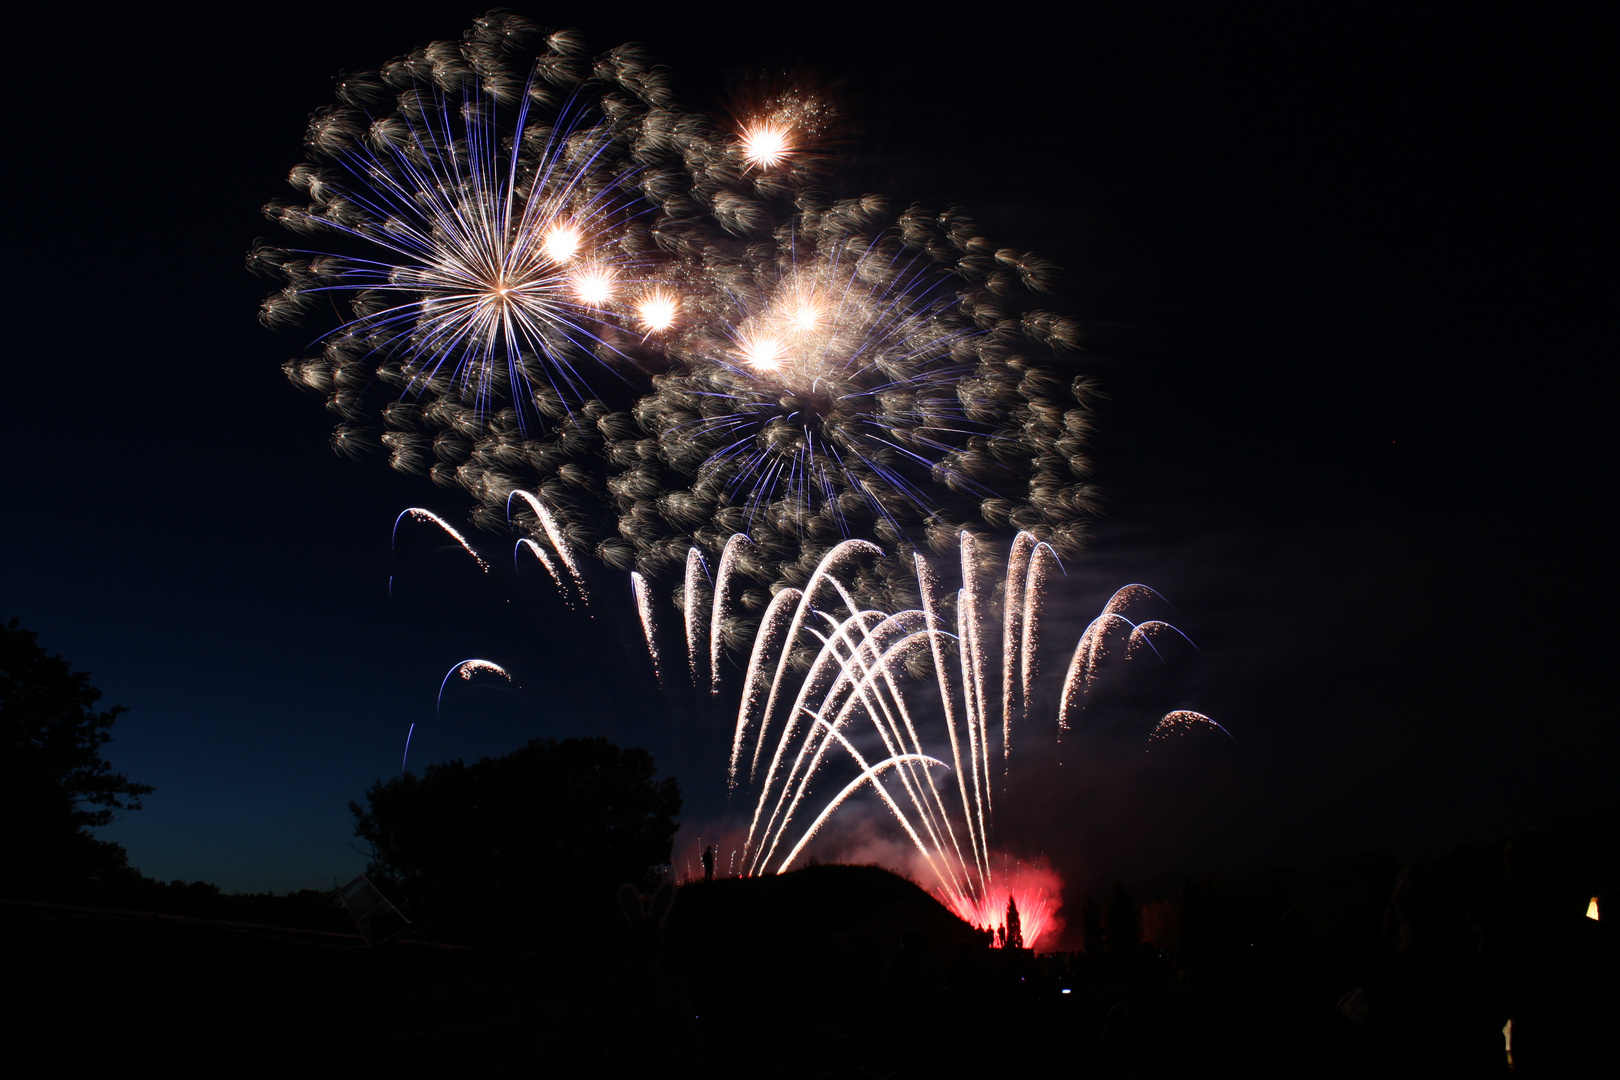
(1429, 1010)
(1091, 929)
(646, 1013)
(1556, 967)
(1124, 926)
(708, 863)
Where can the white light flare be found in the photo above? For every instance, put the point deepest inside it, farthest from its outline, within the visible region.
(766, 143)
(807, 315)
(658, 310)
(594, 286)
(764, 352)
(562, 242)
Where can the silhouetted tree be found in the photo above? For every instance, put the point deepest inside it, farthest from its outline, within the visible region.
(54, 783)
(512, 845)
(1015, 925)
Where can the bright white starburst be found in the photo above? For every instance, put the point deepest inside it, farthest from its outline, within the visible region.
(494, 248)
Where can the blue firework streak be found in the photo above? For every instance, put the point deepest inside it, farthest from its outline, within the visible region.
(490, 231)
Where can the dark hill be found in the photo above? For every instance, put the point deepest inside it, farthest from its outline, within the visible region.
(812, 905)
(831, 946)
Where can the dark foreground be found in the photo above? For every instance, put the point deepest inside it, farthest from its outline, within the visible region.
(831, 971)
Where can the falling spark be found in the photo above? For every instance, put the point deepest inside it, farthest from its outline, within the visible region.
(466, 669)
(717, 616)
(1184, 722)
(644, 606)
(554, 533)
(545, 560)
(697, 573)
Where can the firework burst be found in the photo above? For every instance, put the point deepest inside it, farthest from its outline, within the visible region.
(486, 229)
(560, 283)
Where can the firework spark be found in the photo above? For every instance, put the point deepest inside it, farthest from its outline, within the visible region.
(644, 607)
(416, 513)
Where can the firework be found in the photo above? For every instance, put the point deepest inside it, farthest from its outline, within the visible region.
(481, 228)
(852, 702)
(631, 334)
(560, 284)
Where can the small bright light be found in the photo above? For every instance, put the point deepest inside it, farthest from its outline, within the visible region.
(766, 353)
(1592, 909)
(807, 316)
(1066, 990)
(657, 311)
(561, 243)
(766, 143)
(594, 286)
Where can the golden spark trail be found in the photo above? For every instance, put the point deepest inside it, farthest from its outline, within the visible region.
(717, 616)
(551, 567)
(870, 775)
(823, 573)
(554, 533)
(753, 680)
(644, 606)
(696, 572)
(928, 586)
(427, 515)
(1011, 633)
(1034, 588)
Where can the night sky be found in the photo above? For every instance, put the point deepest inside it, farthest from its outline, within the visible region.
(1337, 273)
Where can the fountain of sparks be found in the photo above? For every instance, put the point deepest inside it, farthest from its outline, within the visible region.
(851, 706)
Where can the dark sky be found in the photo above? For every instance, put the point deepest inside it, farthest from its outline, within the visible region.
(1338, 274)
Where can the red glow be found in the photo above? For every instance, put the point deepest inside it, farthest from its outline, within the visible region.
(1034, 886)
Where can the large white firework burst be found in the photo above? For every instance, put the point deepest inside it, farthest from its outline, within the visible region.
(484, 215)
(559, 283)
